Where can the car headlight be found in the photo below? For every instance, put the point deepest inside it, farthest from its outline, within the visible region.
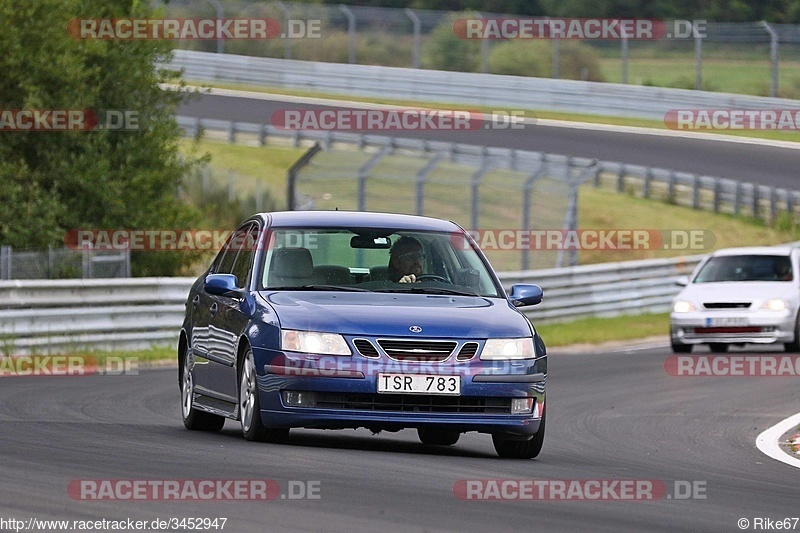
(682, 306)
(775, 305)
(495, 349)
(313, 342)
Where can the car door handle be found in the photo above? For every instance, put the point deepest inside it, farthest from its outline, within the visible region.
(214, 309)
(196, 301)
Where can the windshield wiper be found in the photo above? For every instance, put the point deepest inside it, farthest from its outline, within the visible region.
(319, 288)
(431, 290)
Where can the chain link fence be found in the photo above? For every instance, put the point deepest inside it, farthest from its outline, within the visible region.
(749, 58)
(63, 263)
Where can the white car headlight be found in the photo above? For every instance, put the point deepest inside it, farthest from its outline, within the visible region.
(775, 305)
(313, 342)
(682, 306)
(495, 349)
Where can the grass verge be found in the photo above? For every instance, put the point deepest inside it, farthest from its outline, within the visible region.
(597, 330)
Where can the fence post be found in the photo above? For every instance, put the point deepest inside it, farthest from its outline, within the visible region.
(5, 262)
(287, 43)
(698, 59)
(363, 174)
(291, 174)
(773, 59)
(351, 33)
(220, 15)
(259, 195)
(417, 26)
(624, 55)
(556, 59)
(422, 177)
(526, 205)
(475, 183)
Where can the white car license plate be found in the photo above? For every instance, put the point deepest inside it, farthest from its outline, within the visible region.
(726, 321)
(419, 384)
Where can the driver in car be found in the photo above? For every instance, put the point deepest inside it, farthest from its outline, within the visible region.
(406, 260)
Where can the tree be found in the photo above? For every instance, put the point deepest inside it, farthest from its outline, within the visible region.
(54, 182)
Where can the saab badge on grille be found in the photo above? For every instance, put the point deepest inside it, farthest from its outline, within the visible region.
(415, 329)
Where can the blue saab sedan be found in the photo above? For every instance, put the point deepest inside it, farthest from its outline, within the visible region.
(333, 320)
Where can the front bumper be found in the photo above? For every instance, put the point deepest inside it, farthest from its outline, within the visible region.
(345, 395)
(762, 327)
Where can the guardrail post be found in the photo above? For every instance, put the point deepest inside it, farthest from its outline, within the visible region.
(259, 195)
(417, 28)
(773, 59)
(671, 187)
(717, 192)
(231, 132)
(351, 33)
(756, 201)
(737, 198)
(790, 204)
(695, 191)
(648, 178)
(287, 42)
(773, 204)
(621, 178)
(262, 135)
(5, 262)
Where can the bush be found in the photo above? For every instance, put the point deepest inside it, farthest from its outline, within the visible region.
(535, 58)
(444, 50)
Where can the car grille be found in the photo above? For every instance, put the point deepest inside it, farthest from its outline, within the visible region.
(423, 350)
(366, 348)
(730, 329)
(467, 351)
(727, 305)
(413, 403)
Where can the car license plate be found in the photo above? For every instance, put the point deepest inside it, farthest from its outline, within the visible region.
(419, 384)
(727, 321)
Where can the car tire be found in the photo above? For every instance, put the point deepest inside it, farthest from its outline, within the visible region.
(718, 347)
(192, 418)
(253, 428)
(681, 348)
(794, 346)
(438, 437)
(519, 449)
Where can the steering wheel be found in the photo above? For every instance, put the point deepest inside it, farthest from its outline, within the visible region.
(433, 277)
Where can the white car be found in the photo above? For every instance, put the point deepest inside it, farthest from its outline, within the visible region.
(739, 296)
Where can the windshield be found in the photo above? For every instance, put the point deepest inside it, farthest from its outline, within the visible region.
(381, 260)
(746, 268)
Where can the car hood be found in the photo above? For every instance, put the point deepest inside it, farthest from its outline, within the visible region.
(737, 291)
(372, 313)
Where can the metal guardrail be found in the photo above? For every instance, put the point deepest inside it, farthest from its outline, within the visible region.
(49, 316)
(709, 193)
(463, 88)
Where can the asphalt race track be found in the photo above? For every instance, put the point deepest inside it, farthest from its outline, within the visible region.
(767, 165)
(612, 416)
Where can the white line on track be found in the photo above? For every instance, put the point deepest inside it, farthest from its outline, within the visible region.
(767, 442)
(634, 130)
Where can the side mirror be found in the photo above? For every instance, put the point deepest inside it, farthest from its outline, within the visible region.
(522, 295)
(682, 281)
(222, 285)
